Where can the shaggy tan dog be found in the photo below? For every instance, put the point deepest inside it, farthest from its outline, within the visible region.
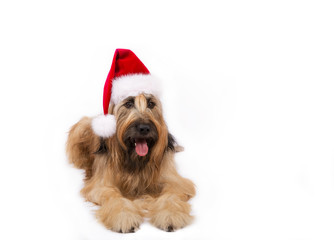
(132, 174)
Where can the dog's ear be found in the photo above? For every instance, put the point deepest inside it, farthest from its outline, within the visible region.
(172, 144)
(103, 147)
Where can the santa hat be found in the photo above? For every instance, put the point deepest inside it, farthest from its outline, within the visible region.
(128, 76)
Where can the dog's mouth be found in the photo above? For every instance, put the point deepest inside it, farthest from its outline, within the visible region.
(141, 145)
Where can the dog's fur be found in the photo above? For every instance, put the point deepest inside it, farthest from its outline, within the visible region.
(126, 186)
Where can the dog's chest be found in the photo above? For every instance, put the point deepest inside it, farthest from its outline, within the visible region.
(133, 186)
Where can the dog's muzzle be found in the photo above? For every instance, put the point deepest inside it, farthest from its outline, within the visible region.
(141, 137)
(141, 143)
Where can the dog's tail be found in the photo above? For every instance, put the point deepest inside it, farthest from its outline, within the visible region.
(81, 145)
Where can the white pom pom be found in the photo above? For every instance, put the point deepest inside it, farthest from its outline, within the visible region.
(104, 125)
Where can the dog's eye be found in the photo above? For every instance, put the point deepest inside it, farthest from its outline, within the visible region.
(129, 104)
(150, 104)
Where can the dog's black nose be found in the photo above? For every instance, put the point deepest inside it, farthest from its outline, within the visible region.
(143, 129)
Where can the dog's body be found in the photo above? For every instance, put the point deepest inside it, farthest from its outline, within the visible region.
(132, 175)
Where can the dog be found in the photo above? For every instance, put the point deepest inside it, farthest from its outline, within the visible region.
(131, 175)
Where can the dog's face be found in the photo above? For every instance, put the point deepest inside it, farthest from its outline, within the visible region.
(141, 130)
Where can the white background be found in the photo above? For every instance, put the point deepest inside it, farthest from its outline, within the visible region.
(248, 91)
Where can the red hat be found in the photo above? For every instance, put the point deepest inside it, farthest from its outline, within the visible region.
(128, 76)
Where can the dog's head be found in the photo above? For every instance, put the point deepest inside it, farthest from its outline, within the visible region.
(141, 131)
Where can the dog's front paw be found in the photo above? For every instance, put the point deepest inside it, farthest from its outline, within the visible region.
(171, 215)
(126, 222)
(170, 221)
(120, 216)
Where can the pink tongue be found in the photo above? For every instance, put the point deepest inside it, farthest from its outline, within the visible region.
(141, 147)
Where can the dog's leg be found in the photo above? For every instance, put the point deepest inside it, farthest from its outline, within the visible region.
(171, 211)
(116, 212)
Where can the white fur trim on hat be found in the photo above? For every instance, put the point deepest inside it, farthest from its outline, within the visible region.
(133, 85)
(104, 125)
